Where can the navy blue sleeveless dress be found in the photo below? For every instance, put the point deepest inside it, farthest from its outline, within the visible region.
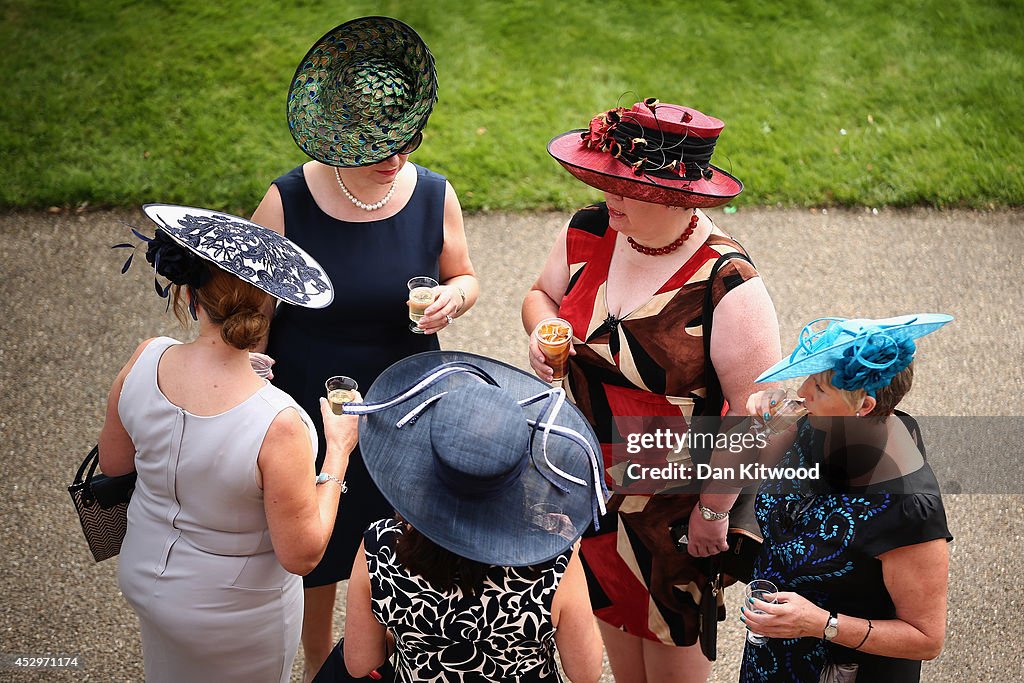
(361, 333)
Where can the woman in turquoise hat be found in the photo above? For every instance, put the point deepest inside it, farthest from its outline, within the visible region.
(857, 544)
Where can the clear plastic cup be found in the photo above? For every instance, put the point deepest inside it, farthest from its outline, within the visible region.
(554, 336)
(340, 390)
(421, 295)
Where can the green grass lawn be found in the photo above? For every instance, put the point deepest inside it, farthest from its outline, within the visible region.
(876, 102)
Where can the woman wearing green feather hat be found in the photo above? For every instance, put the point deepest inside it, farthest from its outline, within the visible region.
(357, 105)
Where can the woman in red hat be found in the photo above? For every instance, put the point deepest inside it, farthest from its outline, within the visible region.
(631, 275)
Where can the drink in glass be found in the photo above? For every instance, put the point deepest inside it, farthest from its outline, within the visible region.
(554, 336)
(781, 417)
(757, 589)
(421, 295)
(340, 390)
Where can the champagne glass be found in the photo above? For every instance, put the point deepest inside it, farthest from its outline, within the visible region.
(782, 416)
(757, 589)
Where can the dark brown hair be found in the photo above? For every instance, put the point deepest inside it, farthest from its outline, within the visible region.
(442, 568)
(888, 397)
(232, 303)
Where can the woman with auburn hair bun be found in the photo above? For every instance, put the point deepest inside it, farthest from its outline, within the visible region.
(227, 509)
(235, 305)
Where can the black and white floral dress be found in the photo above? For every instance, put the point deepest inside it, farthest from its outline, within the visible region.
(504, 633)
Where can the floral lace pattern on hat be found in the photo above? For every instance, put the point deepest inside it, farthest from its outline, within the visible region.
(268, 258)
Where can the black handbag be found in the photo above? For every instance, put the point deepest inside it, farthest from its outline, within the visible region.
(102, 506)
(334, 671)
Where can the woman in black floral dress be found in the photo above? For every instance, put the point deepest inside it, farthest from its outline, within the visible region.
(494, 477)
(858, 552)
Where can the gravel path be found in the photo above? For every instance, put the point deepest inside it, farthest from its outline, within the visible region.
(69, 321)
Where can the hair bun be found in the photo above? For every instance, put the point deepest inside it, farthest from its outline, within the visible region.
(242, 329)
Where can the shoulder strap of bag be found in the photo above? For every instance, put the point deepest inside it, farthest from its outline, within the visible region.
(83, 478)
(714, 400)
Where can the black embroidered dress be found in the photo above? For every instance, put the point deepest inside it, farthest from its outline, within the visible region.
(826, 547)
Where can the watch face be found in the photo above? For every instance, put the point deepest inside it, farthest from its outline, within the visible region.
(832, 630)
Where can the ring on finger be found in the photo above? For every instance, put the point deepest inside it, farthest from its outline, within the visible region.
(449, 319)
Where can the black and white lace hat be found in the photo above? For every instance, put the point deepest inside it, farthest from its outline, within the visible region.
(251, 252)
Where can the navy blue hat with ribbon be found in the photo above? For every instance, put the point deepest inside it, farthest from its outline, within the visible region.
(480, 457)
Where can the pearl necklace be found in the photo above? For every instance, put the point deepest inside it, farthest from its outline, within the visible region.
(362, 205)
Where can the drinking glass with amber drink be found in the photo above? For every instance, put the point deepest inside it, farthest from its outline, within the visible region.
(554, 336)
(340, 390)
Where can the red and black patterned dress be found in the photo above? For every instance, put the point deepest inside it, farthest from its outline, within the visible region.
(651, 363)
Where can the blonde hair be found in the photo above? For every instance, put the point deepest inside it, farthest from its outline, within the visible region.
(233, 304)
(886, 398)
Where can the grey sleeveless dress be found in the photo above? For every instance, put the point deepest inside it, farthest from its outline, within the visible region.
(197, 564)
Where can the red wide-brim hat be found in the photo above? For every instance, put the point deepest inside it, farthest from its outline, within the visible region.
(585, 157)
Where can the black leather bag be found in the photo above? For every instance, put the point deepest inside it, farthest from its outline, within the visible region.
(102, 506)
(738, 561)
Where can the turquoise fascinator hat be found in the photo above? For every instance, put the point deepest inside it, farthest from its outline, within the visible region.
(864, 354)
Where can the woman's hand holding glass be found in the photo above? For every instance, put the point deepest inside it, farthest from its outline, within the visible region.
(448, 302)
(340, 431)
(774, 410)
(539, 361)
(784, 615)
